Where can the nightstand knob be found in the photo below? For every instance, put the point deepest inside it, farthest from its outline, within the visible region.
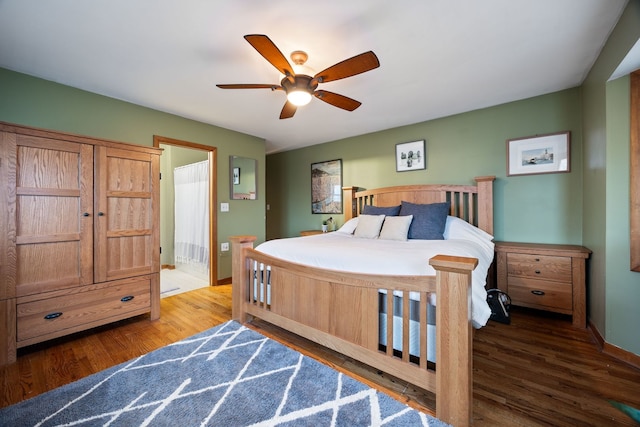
(537, 271)
(537, 259)
(539, 293)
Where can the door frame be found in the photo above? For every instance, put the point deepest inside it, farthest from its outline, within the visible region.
(213, 185)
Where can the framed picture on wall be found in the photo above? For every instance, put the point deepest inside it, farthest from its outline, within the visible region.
(410, 156)
(236, 176)
(326, 187)
(550, 153)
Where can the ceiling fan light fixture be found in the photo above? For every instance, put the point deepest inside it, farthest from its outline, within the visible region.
(300, 82)
(299, 97)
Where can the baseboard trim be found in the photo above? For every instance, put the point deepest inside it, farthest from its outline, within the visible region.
(613, 350)
(168, 267)
(225, 281)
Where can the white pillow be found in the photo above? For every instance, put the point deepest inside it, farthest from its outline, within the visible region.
(369, 226)
(396, 227)
(457, 228)
(350, 226)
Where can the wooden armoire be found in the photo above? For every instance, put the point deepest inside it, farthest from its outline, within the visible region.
(79, 233)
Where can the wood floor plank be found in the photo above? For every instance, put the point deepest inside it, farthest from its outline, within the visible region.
(538, 371)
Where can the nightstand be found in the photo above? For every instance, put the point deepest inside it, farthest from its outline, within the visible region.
(545, 277)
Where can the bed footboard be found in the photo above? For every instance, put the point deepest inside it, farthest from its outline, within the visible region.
(341, 311)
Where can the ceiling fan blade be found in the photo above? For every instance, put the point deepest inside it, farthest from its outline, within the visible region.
(271, 53)
(250, 86)
(288, 110)
(337, 100)
(349, 67)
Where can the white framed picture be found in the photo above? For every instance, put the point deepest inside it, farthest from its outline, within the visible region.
(539, 154)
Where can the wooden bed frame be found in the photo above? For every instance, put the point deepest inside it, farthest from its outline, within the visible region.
(340, 310)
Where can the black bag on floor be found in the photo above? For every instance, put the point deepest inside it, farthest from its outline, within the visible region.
(500, 303)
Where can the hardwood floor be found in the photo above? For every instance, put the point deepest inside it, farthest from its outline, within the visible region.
(538, 371)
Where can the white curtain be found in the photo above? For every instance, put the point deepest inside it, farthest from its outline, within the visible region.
(192, 214)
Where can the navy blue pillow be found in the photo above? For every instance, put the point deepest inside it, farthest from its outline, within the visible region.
(429, 220)
(381, 210)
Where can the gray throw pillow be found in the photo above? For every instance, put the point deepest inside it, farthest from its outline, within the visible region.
(429, 220)
(381, 210)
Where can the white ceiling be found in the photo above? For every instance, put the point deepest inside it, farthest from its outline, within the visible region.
(437, 57)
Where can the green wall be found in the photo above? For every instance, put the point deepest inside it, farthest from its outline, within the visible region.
(35, 102)
(535, 208)
(614, 290)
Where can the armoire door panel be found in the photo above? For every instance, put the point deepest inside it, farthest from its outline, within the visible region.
(124, 239)
(128, 171)
(54, 214)
(44, 267)
(43, 215)
(129, 213)
(47, 165)
(128, 256)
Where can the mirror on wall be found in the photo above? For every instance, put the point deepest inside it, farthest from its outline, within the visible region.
(243, 178)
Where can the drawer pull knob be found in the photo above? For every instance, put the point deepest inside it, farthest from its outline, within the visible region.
(52, 316)
(537, 271)
(127, 298)
(85, 214)
(537, 259)
(100, 213)
(538, 292)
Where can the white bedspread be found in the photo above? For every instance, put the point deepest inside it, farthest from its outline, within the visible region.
(344, 252)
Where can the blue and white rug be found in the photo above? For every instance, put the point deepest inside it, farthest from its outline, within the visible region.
(227, 376)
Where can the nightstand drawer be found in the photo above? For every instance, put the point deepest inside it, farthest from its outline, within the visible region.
(554, 268)
(540, 294)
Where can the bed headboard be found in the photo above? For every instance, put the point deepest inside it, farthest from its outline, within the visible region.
(473, 203)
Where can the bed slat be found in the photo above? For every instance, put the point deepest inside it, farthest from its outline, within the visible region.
(405, 326)
(389, 315)
(423, 330)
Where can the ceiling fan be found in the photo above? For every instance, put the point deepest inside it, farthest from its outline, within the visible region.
(300, 87)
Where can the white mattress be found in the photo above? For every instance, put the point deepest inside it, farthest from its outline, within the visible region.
(343, 252)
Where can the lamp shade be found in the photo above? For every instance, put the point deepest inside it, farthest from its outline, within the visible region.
(299, 97)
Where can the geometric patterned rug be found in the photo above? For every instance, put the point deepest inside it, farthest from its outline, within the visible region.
(226, 376)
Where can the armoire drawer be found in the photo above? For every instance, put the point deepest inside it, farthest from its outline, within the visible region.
(541, 294)
(53, 314)
(556, 268)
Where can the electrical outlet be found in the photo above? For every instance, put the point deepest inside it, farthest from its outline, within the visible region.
(224, 246)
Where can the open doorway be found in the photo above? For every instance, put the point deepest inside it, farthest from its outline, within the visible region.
(177, 155)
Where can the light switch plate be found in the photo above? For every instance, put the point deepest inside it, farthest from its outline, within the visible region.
(224, 207)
